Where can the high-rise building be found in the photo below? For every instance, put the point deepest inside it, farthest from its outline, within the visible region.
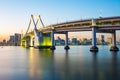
(17, 39)
(11, 40)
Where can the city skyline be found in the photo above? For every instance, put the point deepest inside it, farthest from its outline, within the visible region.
(15, 14)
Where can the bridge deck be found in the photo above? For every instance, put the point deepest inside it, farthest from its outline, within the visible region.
(109, 23)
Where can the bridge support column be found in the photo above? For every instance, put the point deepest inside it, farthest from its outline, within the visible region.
(66, 43)
(53, 42)
(23, 43)
(114, 47)
(28, 41)
(94, 47)
(31, 42)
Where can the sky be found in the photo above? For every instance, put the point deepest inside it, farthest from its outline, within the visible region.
(15, 14)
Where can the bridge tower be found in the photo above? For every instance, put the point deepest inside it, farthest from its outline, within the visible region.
(34, 37)
(37, 33)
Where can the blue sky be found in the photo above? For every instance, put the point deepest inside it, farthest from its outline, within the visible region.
(15, 14)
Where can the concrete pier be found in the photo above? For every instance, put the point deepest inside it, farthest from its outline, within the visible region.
(94, 47)
(53, 42)
(66, 42)
(114, 47)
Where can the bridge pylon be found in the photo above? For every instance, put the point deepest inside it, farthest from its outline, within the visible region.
(37, 23)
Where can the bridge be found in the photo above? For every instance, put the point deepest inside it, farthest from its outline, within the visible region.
(43, 36)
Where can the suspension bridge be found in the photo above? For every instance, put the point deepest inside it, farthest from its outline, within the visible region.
(43, 36)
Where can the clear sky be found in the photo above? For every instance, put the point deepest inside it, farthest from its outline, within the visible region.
(15, 14)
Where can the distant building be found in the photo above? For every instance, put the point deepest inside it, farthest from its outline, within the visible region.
(17, 39)
(69, 42)
(98, 41)
(59, 41)
(11, 40)
(86, 41)
(14, 40)
(102, 40)
(75, 41)
(109, 40)
(4, 41)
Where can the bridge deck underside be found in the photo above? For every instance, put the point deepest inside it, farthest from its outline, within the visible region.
(109, 27)
(84, 28)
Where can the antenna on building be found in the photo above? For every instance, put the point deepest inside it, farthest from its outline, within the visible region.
(100, 14)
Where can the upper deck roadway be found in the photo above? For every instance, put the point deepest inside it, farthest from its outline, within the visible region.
(103, 24)
(107, 24)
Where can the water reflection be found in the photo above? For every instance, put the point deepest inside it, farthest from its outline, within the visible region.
(35, 64)
(114, 66)
(67, 71)
(105, 70)
(34, 67)
(52, 65)
(59, 67)
(95, 65)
